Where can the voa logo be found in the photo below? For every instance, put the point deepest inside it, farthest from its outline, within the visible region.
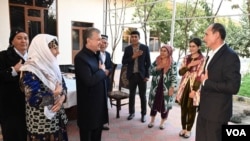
(236, 132)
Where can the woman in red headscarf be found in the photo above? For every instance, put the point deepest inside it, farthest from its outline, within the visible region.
(164, 80)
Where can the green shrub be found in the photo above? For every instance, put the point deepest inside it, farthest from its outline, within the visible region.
(245, 84)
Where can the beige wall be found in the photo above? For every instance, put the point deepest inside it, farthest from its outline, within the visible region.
(76, 10)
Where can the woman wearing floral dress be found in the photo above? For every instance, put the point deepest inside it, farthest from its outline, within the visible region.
(164, 80)
(188, 93)
(45, 91)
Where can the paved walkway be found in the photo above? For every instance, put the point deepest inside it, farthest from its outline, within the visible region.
(134, 130)
(123, 130)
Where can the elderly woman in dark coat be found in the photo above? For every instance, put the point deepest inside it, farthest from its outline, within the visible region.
(12, 101)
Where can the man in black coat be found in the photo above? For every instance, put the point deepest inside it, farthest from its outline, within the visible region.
(221, 80)
(92, 110)
(12, 100)
(106, 59)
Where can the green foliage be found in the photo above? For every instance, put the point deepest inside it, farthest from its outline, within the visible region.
(162, 28)
(238, 34)
(187, 28)
(156, 16)
(142, 14)
(244, 88)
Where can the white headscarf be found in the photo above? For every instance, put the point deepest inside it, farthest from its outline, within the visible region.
(42, 62)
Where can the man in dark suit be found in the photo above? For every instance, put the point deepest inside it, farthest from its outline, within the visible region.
(106, 59)
(92, 110)
(137, 57)
(12, 100)
(220, 81)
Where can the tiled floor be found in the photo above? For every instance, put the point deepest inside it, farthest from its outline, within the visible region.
(123, 130)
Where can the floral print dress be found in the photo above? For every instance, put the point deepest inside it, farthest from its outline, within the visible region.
(169, 79)
(39, 127)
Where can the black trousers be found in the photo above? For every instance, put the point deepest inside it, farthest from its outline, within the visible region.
(188, 111)
(207, 130)
(134, 81)
(90, 135)
(14, 129)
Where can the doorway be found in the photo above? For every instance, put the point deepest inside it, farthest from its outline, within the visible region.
(78, 29)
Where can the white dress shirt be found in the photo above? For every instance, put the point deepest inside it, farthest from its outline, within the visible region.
(103, 56)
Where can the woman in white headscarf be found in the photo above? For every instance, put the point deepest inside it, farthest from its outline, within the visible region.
(45, 91)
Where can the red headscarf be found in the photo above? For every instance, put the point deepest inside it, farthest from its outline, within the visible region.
(167, 60)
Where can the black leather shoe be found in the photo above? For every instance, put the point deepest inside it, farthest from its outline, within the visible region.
(105, 127)
(143, 118)
(131, 116)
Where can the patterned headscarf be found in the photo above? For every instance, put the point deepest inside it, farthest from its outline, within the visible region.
(167, 61)
(42, 62)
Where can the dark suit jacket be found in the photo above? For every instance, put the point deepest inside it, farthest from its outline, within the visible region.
(92, 111)
(12, 100)
(108, 66)
(223, 82)
(144, 61)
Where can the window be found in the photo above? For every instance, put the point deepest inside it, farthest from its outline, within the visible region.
(153, 44)
(126, 36)
(34, 16)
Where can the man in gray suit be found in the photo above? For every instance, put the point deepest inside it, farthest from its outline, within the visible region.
(220, 81)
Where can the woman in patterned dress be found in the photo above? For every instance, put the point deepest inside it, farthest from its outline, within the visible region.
(45, 91)
(188, 92)
(164, 80)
